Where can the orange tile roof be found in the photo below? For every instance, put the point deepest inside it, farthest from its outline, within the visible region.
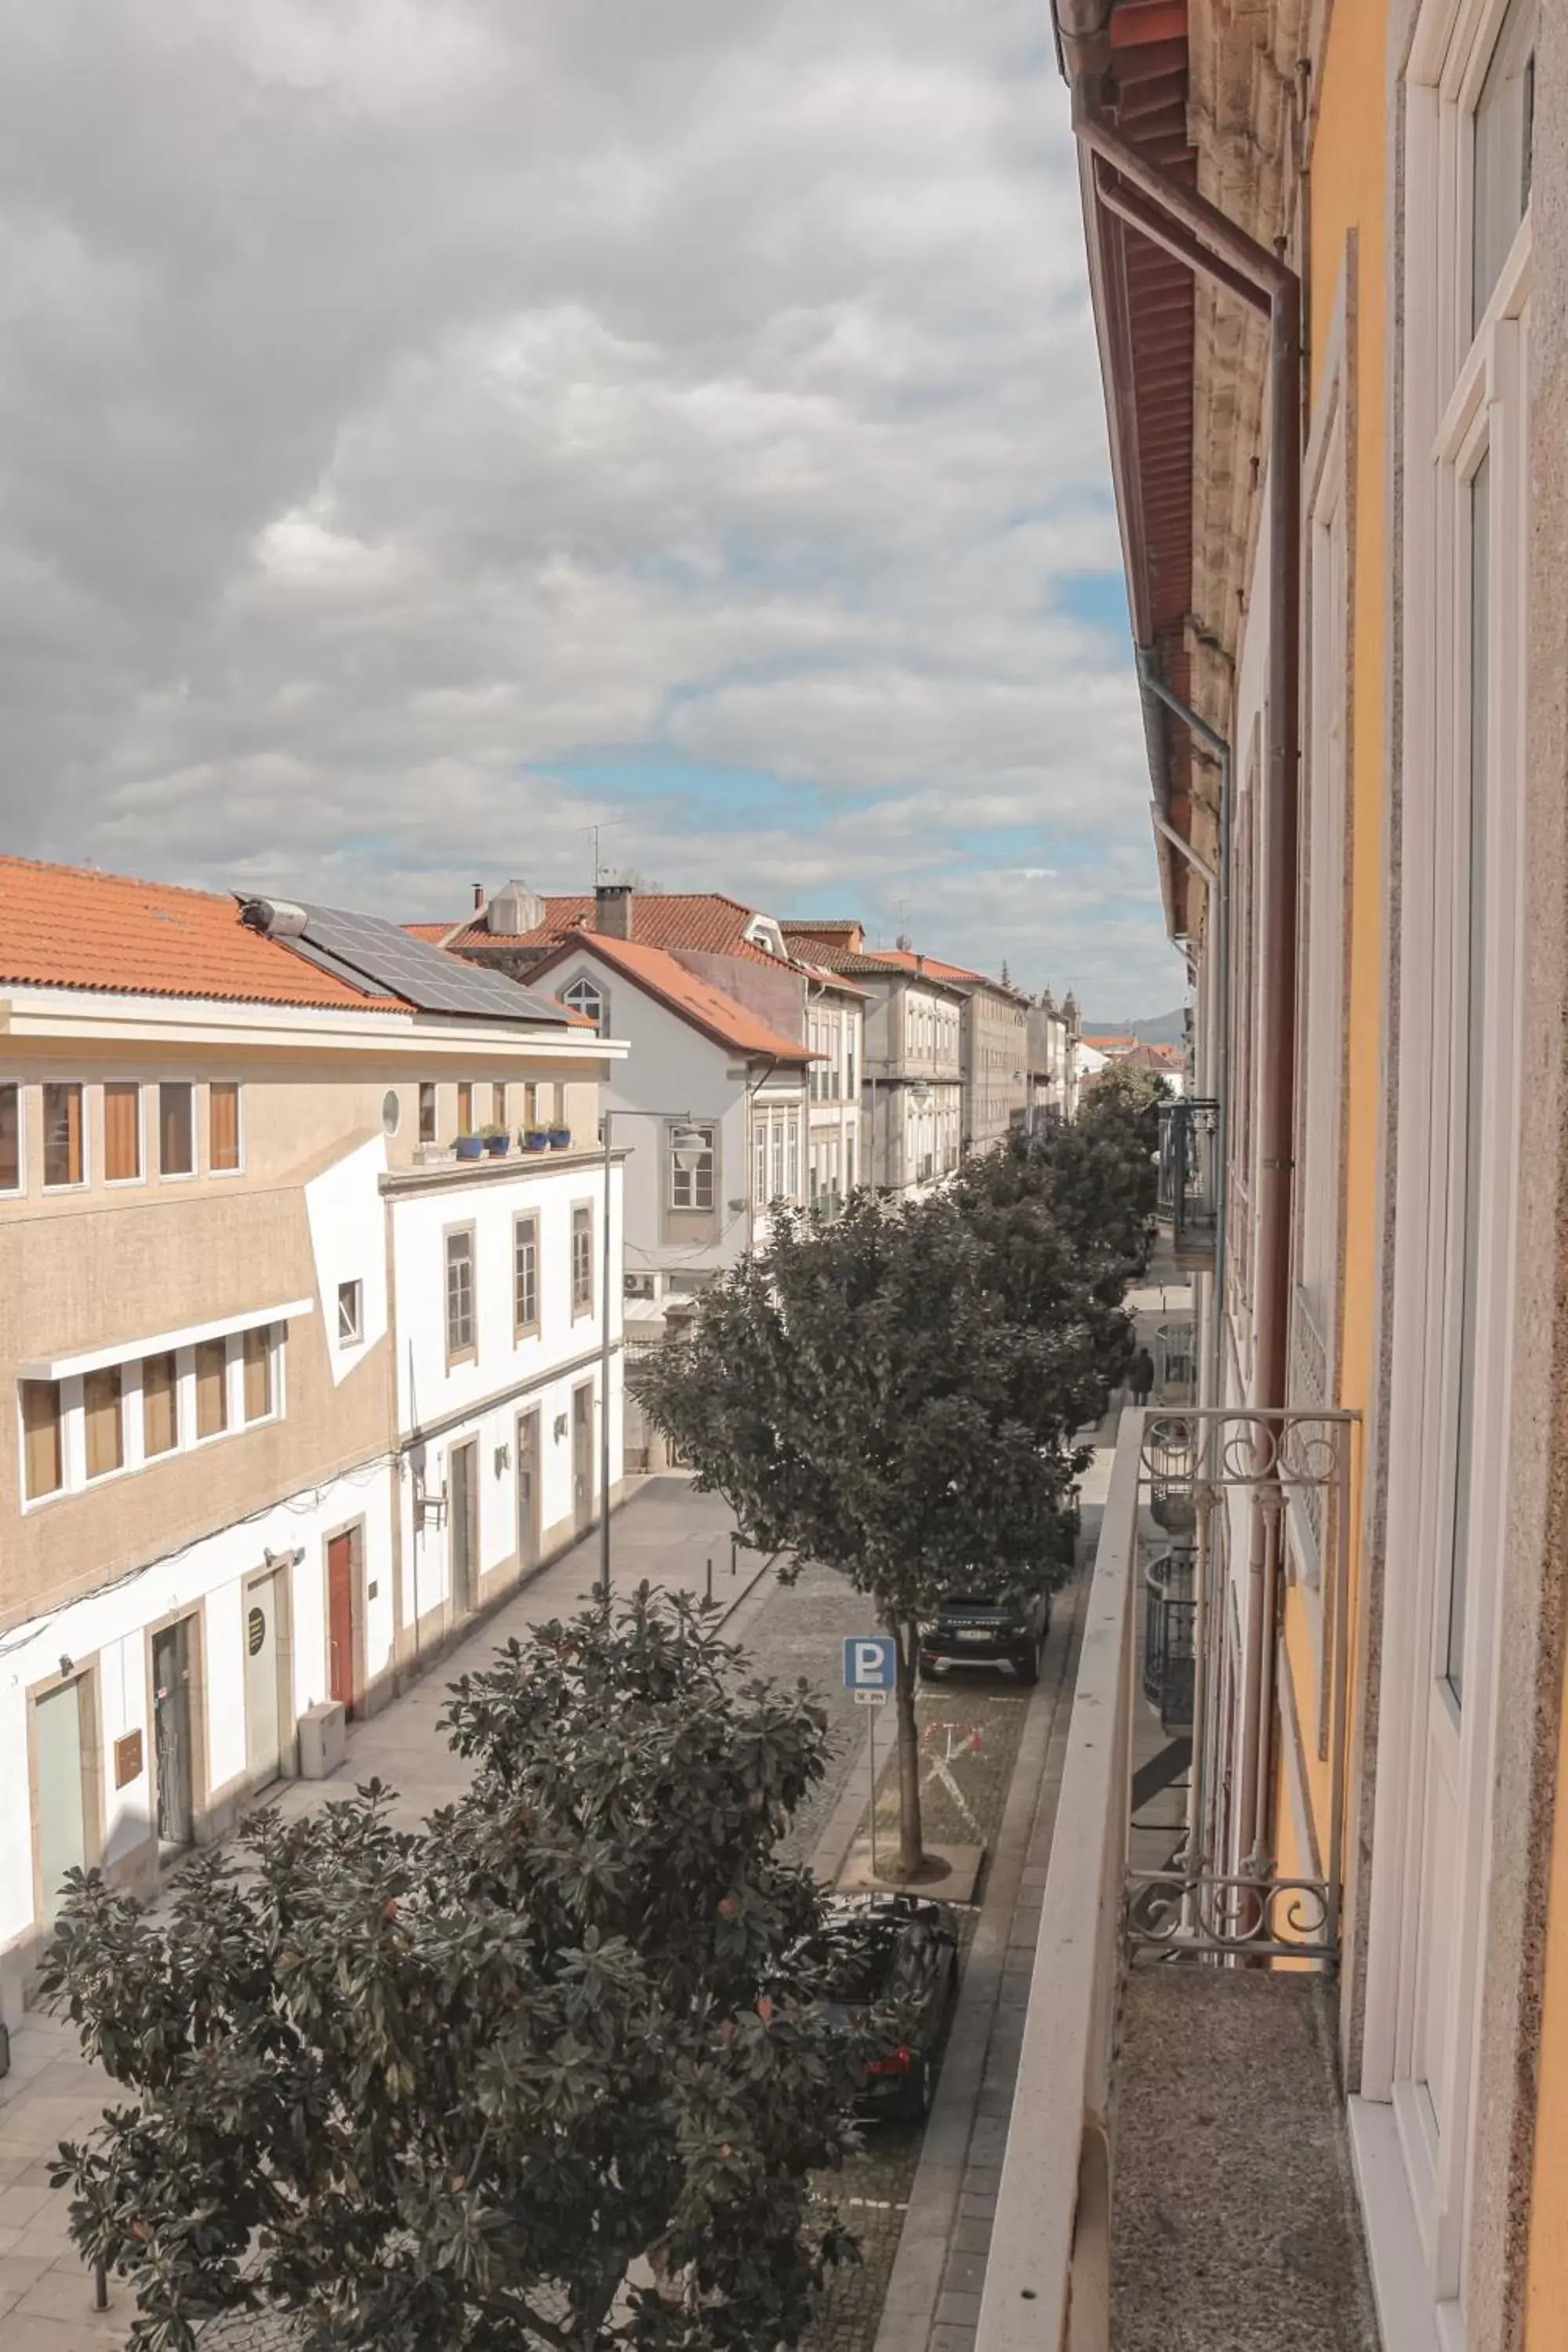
(704, 921)
(888, 962)
(72, 927)
(708, 1009)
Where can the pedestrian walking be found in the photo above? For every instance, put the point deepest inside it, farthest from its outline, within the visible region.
(1141, 1376)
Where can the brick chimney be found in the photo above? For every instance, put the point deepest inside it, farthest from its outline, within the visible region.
(613, 910)
(479, 896)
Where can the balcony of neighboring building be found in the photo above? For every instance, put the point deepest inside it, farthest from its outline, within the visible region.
(1177, 2175)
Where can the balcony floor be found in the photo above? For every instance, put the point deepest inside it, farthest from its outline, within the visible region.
(1235, 2224)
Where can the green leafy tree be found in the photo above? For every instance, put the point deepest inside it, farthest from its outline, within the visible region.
(1092, 1182)
(439, 2089)
(865, 1394)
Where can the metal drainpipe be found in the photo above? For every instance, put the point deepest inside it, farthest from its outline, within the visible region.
(1197, 1788)
(1084, 32)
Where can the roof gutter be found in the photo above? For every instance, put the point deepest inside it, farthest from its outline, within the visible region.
(1199, 235)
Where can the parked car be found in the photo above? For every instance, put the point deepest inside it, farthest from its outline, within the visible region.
(982, 1629)
(897, 1952)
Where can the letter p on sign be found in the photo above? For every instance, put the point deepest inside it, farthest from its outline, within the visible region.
(870, 1662)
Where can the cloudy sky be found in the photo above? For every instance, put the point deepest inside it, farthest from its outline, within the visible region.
(428, 427)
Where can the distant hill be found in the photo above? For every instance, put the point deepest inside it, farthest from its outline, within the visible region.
(1165, 1029)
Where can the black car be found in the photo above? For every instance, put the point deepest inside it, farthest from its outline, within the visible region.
(895, 1952)
(978, 1629)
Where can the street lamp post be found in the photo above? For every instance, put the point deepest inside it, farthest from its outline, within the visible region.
(688, 1146)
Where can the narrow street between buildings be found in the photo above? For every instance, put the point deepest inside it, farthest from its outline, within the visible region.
(976, 1725)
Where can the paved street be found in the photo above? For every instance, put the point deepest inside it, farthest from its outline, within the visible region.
(972, 1723)
(667, 1533)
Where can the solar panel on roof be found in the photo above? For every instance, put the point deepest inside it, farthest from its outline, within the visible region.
(363, 947)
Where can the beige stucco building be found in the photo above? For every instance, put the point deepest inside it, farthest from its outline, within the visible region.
(266, 1340)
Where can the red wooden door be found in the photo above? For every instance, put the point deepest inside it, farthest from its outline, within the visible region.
(341, 1618)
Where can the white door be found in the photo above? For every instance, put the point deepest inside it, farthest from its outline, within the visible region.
(62, 1803)
(263, 1687)
(1457, 1172)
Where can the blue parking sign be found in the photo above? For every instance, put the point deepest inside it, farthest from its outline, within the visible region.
(870, 1661)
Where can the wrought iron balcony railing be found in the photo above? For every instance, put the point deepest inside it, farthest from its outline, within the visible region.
(1170, 1621)
(1103, 1913)
(1188, 1198)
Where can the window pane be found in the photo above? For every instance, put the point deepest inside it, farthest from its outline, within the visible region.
(10, 1138)
(525, 1274)
(460, 1292)
(1501, 156)
(101, 1408)
(212, 1386)
(427, 1112)
(160, 1405)
(176, 1130)
(257, 1354)
(222, 1126)
(499, 1110)
(121, 1133)
(581, 1261)
(465, 1110)
(1473, 1068)
(62, 1135)
(41, 1434)
(349, 1310)
(583, 997)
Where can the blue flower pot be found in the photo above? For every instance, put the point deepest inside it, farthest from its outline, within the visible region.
(498, 1146)
(468, 1147)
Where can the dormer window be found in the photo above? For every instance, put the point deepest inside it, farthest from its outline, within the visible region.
(584, 996)
(764, 933)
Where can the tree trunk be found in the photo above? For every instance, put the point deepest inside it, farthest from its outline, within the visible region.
(911, 1849)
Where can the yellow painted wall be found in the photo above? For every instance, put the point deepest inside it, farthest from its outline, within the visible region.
(1350, 191)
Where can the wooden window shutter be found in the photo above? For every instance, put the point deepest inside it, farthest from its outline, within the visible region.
(121, 1133)
(41, 1430)
(222, 1126)
(105, 1439)
(160, 1405)
(212, 1386)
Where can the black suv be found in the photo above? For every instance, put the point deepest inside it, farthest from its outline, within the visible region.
(975, 1629)
(895, 1953)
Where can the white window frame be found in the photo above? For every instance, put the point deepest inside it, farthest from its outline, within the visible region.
(18, 1190)
(1464, 397)
(585, 983)
(119, 1183)
(675, 1176)
(224, 1175)
(178, 1175)
(79, 1183)
(354, 1336)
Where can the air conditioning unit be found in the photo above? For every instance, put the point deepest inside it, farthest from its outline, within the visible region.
(638, 1286)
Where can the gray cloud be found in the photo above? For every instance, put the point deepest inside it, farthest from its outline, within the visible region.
(397, 396)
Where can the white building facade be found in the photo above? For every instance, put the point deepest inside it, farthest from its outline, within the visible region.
(226, 1207)
(835, 1039)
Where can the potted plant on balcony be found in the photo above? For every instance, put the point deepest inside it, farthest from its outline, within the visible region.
(497, 1141)
(533, 1138)
(468, 1147)
(560, 1138)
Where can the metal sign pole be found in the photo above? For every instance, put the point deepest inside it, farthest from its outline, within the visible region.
(872, 1752)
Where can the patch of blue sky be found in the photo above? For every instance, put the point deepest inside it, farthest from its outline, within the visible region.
(726, 799)
(1098, 599)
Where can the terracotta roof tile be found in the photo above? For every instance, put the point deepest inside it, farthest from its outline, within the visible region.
(72, 927)
(704, 921)
(718, 1015)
